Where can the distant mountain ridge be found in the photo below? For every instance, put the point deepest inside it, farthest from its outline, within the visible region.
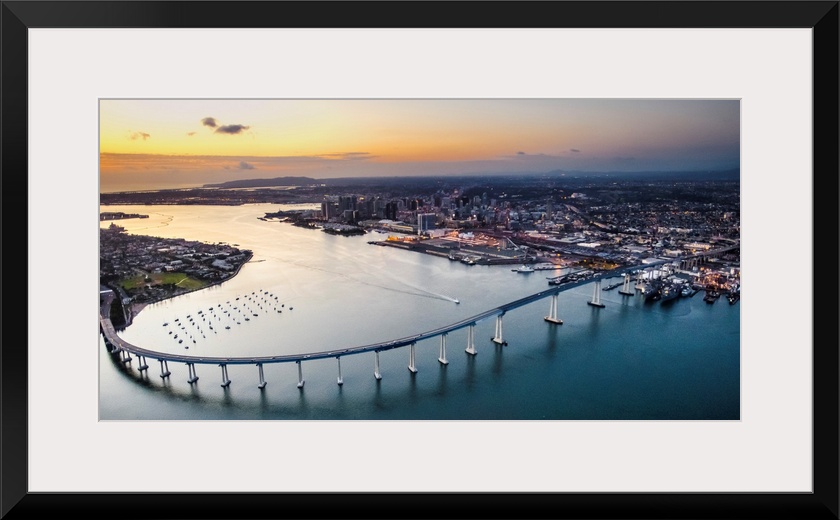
(733, 174)
(265, 183)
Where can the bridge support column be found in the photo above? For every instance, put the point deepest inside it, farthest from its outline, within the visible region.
(262, 376)
(376, 373)
(143, 366)
(471, 340)
(411, 359)
(164, 368)
(340, 381)
(625, 289)
(300, 374)
(191, 371)
(552, 312)
(497, 338)
(442, 355)
(125, 356)
(225, 380)
(596, 295)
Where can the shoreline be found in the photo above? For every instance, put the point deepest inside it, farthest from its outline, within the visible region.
(135, 308)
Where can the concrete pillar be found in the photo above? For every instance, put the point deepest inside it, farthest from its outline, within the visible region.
(411, 359)
(164, 368)
(225, 380)
(552, 312)
(376, 372)
(191, 370)
(497, 338)
(300, 375)
(340, 381)
(262, 377)
(471, 340)
(596, 295)
(143, 366)
(442, 355)
(625, 289)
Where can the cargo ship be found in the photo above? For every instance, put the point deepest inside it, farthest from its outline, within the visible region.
(653, 292)
(669, 292)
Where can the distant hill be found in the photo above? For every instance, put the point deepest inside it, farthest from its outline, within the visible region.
(515, 176)
(265, 183)
(717, 175)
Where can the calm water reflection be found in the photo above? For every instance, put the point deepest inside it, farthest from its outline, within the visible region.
(629, 360)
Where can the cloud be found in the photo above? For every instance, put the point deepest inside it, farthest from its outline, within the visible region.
(575, 150)
(138, 135)
(245, 166)
(190, 134)
(209, 121)
(520, 153)
(232, 129)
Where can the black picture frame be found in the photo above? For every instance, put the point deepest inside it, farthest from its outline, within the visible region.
(16, 17)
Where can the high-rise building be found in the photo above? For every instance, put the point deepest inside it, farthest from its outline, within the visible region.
(425, 222)
(329, 209)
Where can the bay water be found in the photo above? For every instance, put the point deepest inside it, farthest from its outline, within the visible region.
(312, 291)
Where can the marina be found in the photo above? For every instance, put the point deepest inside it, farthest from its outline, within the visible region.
(551, 360)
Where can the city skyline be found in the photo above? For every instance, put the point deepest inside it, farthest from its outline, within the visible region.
(159, 144)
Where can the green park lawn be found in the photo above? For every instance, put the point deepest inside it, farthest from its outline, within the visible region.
(178, 279)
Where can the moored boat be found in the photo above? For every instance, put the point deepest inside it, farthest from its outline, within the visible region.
(668, 293)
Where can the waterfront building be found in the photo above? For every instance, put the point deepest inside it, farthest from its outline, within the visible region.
(425, 222)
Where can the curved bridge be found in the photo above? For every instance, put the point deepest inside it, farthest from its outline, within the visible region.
(119, 346)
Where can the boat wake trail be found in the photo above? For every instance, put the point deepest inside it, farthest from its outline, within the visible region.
(412, 290)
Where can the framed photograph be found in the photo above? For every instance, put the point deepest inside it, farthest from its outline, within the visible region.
(490, 263)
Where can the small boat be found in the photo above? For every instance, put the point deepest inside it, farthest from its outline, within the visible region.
(180, 341)
(247, 319)
(733, 297)
(457, 301)
(525, 269)
(165, 324)
(227, 326)
(711, 296)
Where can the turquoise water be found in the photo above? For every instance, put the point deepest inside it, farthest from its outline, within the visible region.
(626, 361)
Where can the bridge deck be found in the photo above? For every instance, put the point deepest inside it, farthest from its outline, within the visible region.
(111, 336)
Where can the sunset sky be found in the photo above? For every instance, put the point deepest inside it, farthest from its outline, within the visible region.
(157, 144)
